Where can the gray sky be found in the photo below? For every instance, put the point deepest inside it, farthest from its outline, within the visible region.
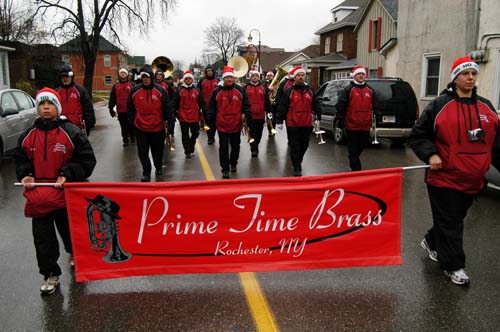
(289, 24)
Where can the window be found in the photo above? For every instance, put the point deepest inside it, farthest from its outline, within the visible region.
(340, 40)
(108, 80)
(372, 73)
(374, 31)
(65, 58)
(107, 61)
(8, 102)
(430, 73)
(327, 45)
(24, 102)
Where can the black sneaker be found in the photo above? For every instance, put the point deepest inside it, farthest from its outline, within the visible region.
(158, 171)
(146, 178)
(188, 155)
(125, 143)
(211, 141)
(225, 175)
(297, 172)
(255, 153)
(233, 168)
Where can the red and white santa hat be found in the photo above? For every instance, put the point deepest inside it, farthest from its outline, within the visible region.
(462, 64)
(123, 70)
(358, 70)
(187, 74)
(253, 71)
(228, 71)
(270, 73)
(50, 95)
(296, 70)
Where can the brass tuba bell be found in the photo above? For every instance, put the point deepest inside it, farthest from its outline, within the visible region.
(163, 63)
(239, 64)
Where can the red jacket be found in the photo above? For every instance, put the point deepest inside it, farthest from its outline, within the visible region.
(77, 105)
(149, 108)
(259, 100)
(187, 104)
(207, 87)
(443, 130)
(227, 105)
(297, 106)
(119, 95)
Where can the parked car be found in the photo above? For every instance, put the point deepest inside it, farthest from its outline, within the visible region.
(396, 108)
(17, 113)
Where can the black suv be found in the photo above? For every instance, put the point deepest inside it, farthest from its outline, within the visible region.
(396, 108)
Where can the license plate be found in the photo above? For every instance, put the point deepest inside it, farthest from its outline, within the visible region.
(389, 119)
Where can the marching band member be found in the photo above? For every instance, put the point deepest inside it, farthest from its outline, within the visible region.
(207, 86)
(355, 112)
(169, 89)
(260, 105)
(458, 135)
(77, 104)
(118, 97)
(226, 107)
(53, 150)
(187, 105)
(297, 108)
(150, 111)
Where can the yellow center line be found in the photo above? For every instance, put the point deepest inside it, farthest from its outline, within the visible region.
(259, 308)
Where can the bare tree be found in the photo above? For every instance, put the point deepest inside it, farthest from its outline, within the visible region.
(87, 20)
(17, 23)
(223, 37)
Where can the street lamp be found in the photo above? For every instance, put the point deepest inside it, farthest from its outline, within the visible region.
(250, 40)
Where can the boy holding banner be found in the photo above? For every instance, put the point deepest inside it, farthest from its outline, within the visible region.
(458, 135)
(53, 151)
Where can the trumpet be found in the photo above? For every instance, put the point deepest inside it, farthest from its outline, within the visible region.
(203, 123)
(168, 139)
(246, 130)
(319, 133)
(374, 128)
(270, 123)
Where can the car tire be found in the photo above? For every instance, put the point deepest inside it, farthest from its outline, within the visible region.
(339, 136)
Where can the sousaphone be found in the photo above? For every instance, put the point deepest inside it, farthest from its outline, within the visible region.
(239, 64)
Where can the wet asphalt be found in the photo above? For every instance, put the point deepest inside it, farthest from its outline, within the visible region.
(412, 297)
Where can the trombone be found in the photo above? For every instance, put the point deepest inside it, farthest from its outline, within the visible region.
(203, 123)
(270, 123)
(168, 139)
(246, 130)
(319, 133)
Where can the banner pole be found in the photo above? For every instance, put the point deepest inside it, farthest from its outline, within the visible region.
(19, 184)
(411, 168)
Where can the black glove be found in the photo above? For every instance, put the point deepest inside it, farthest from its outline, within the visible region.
(112, 113)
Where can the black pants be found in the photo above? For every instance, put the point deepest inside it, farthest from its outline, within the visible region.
(357, 141)
(449, 208)
(126, 128)
(256, 128)
(188, 141)
(46, 243)
(211, 124)
(227, 140)
(147, 141)
(298, 138)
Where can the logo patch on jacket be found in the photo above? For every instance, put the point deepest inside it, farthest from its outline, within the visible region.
(73, 95)
(484, 118)
(59, 148)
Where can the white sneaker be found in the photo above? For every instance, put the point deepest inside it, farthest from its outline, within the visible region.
(433, 255)
(458, 277)
(49, 286)
(72, 261)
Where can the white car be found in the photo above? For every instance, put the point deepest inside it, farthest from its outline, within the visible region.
(17, 113)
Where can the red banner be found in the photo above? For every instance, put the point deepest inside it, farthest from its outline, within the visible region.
(133, 229)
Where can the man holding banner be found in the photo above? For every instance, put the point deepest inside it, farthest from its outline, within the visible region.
(53, 151)
(458, 135)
